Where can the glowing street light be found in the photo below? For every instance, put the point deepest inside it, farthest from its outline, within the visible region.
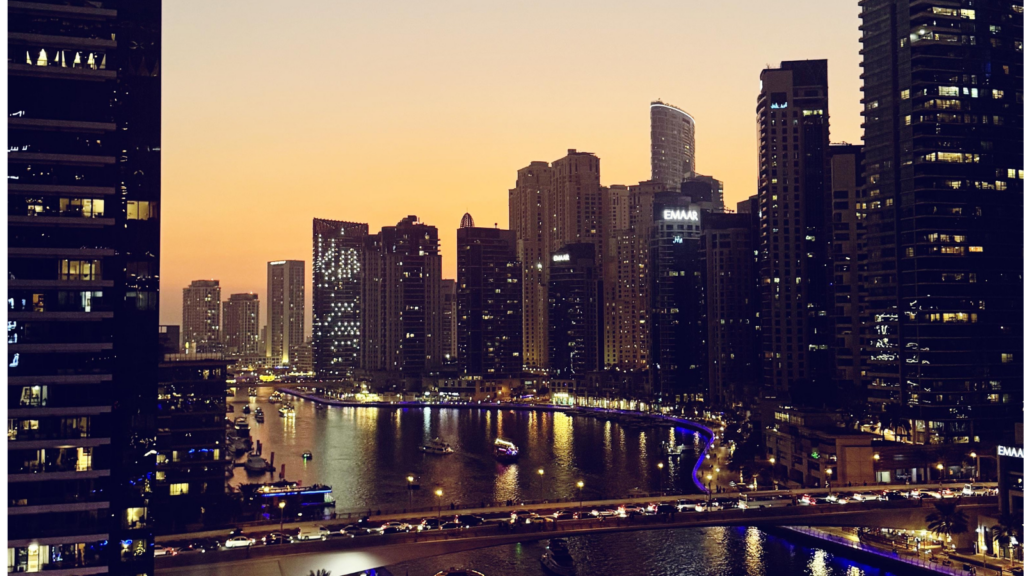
(941, 468)
(708, 492)
(439, 492)
(281, 506)
(661, 466)
(579, 490)
(409, 480)
(540, 471)
(977, 466)
(828, 473)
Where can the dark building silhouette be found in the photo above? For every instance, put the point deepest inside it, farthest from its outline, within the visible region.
(84, 263)
(449, 321)
(337, 296)
(490, 300)
(169, 339)
(793, 191)
(575, 312)
(942, 168)
(402, 300)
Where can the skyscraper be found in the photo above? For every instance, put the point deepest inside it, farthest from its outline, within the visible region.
(577, 203)
(200, 316)
(241, 317)
(673, 144)
(942, 167)
(402, 299)
(449, 321)
(490, 325)
(84, 267)
(529, 212)
(286, 308)
(701, 188)
(576, 312)
(337, 296)
(793, 124)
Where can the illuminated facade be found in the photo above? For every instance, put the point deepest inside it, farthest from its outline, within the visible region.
(286, 307)
(337, 296)
(528, 208)
(402, 301)
(200, 316)
(793, 131)
(673, 144)
(490, 301)
(83, 284)
(241, 317)
(942, 165)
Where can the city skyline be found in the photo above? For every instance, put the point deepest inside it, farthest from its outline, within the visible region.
(336, 166)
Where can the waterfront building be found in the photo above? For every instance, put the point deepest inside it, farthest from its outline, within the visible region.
(678, 329)
(302, 358)
(673, 144)
(846, 258)
(729, 263)
(575, 312)
(528, 208)
(489, 299)
(449, 321)
(402, 301)
(286, 308)
(200, 316)
(942, 168)
(793, 132)
(82, 287)
(189, 483)
(241, 317)
(337, 296)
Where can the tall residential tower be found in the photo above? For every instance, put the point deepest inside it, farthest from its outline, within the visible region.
(200, 316)
(673, 144)
(286, 308)
(337, 296)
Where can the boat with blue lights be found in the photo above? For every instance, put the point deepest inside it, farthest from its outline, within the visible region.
(505, 451)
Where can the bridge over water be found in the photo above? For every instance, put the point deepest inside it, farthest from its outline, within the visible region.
(346, 555)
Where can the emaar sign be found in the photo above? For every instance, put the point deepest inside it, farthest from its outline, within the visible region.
(560, 258)
(1011, 451)
(679, 214)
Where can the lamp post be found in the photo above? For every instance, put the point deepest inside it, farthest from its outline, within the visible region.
(439, 492)
(541, 473)
(775, 485)
(707, 507)
(281, 506)
(828, 481)
(660, 467)
(977, 467)
(717, 470)
(409, 480)
(579, 490)
(941, 468)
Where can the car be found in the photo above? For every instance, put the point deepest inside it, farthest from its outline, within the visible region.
(665, 509)
(469, 520)
(238, 542)
(602, 512)
(159, 550)
(865, 496)
(454, 525)
(199, 546)
(429, 524)
(235, 531)
(530, 518)
(808, 500)
(306, 534)
(353, 530)
(565, 514)
(628, 509)
(967, 490)
(276, 538)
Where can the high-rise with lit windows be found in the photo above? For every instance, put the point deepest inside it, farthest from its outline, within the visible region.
(528, 216)
(200, 316)
(942, 168)
(83, 285)
(241, 325)
(673, 144)
(337, 296)
(286, 308)
(793, 139)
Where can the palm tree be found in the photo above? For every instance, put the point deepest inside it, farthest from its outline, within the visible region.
(947, 520)
(320, 572)
(1008, 528)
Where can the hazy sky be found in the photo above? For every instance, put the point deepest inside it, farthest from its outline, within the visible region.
(278, 112)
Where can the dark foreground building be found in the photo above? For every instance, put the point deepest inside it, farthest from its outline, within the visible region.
(575, 312)
(84, 246)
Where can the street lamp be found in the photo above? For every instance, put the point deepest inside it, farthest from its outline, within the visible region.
(409, 480)
(828, 482)
(708, 492)
(579, 490)
(941, 468)
(281, 506)
(541, 472)
(439, 493)
(977, 466)
(660, 467)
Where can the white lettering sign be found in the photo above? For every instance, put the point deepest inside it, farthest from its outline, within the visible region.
(560, 258)
(1011, 451)
(679, 214)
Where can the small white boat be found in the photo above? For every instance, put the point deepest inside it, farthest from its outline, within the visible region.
(437, 446)
(256, 464)
(286, 410)
(274, 398)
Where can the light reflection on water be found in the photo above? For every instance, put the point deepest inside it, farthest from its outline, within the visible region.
(685, 552)
(365, 454)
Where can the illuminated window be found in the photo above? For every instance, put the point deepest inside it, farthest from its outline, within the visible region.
(905, 95)
(80, 270)
(977, 249)
(141, 210)
(85, 207)
(179, 489)
(997, 94)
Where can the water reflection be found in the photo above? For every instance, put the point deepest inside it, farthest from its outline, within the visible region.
(366, 454)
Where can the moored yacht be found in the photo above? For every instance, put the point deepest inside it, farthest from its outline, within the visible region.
(437, 446)
(505, 450)
(256, 464)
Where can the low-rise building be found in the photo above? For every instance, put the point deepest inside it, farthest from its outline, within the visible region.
(810, 449)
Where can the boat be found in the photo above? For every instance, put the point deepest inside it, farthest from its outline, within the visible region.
(246, 409)
(437, 446)
(459, 572)
(269, 496)
(307, 455)
(240, 445)
(242, 427)
(557, 560)
(259, 415)
(505, 450)
(256, 464)
(274, 398)
(286, 410)
(252, 392)
(321, 406)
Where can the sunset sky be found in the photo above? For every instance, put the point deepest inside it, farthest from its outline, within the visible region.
(278, 112)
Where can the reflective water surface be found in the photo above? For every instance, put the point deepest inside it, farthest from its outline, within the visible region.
(365, 454)
(681, 552)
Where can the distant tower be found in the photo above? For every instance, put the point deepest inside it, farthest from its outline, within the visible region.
(241, 318)
(200, 315)
(337, 296)
(286, 307)
(467, 221)
(673, 144)
(528, 217)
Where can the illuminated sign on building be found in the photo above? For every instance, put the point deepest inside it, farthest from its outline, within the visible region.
(560, 258)
(679, 214)
(1011, 451)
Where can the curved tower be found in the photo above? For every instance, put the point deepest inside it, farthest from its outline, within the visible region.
(673, 144)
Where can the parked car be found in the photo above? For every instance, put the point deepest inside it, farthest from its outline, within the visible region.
(305, 534)
(159, 550)
(276, 538)
(451, 526)
(429, 524)
(469, 520)
(239, 542)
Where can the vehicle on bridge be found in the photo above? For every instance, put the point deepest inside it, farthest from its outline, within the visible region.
(239, 542)
(746, 501)
(306, 534)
